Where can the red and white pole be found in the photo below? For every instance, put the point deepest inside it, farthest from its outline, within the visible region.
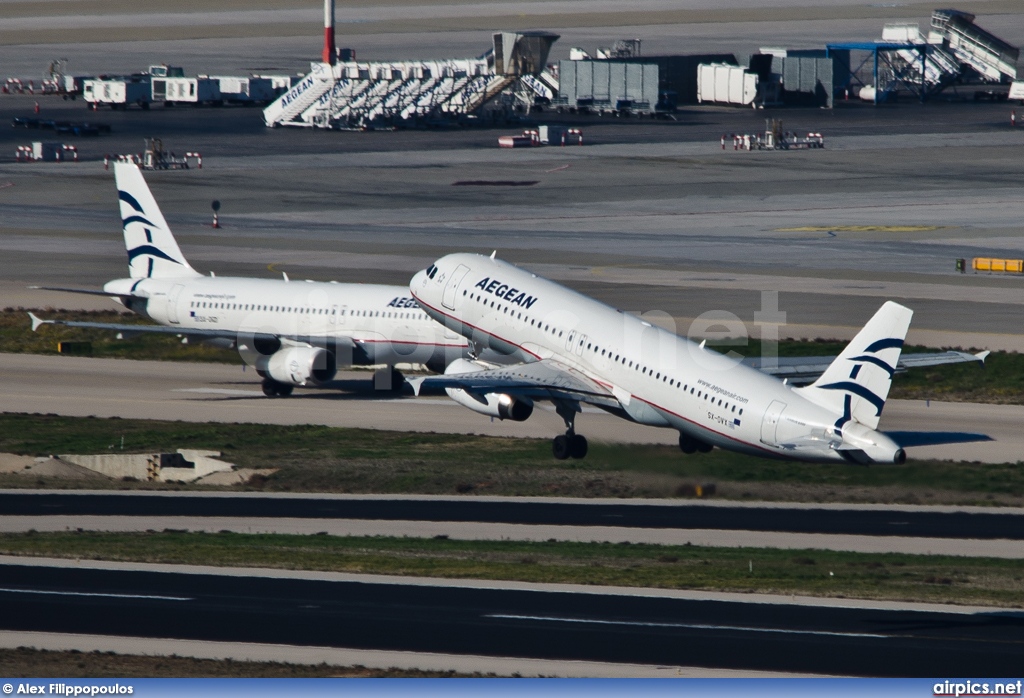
(329, 52)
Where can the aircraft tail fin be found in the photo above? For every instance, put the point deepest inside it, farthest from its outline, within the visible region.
(152, 250)
(857, 383)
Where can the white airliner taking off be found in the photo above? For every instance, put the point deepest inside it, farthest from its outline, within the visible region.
(577, 350)
(294, 333)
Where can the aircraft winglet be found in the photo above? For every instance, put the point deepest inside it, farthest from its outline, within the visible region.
(981, 356)
(36, 321)
(416, 384)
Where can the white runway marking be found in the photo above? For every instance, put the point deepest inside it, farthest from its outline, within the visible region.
(219, 391)
(694, 626)
(86, 593)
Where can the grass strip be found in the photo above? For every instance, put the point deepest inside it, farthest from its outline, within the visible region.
(940, 579)
(24, 662)
(328, 459)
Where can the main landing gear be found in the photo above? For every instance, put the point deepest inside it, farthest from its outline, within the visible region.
(571, 445)
(688, 444)
(389, 379)
(272, 388)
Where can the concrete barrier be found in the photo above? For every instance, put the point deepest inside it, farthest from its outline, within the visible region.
(187, 465)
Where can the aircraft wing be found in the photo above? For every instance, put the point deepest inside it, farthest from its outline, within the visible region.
(187, 331)
(803, 370)
(133, 329)
(544, 380)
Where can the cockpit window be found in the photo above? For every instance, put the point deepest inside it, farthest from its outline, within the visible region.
(431, 270)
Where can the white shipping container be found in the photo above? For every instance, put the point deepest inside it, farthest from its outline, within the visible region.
(550, 134)
(118, 92)
(736, 87)
(729, 84)
(250, 90)
(720, 92)
(1017, 90)
(279, 83)
(234, 88)
(47, 152)
(268, 89)
(901, 33)
(186, 90)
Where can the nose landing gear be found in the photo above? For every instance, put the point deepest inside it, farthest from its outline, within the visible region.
(570, 445)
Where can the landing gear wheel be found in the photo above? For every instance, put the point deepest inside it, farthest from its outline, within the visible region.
(704, 447)
(271, 388)
(687, 445)
(390, 380)
(577, 446)
(561, 448)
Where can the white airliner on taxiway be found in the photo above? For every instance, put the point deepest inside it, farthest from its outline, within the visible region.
(577, 350)
(295, 333)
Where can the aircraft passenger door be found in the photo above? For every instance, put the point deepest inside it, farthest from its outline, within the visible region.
(337, 315)
(172, 304)
(570, 340)
(451, 291)
(771, 422)
(580, 342)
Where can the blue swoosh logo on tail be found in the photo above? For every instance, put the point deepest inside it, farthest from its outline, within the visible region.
(150, 250)
(130, 200)
(138, 219)
(859, 390)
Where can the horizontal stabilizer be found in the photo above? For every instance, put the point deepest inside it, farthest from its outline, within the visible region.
(86, 291)
(802, 370)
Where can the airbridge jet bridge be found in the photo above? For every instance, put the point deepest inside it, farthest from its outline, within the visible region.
(360, 95)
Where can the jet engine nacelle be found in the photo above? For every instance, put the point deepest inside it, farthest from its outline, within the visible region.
(497, 405)
(875, 446)
(299, 365)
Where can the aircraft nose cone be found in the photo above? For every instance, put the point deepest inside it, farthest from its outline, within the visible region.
(419, 280)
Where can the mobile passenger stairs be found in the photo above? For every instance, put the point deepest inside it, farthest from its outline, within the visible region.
(372, 95)
(955, 51)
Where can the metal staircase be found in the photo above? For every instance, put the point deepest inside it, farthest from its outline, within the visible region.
(287, 109)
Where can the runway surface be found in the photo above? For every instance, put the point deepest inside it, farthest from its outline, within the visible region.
(845, 521)
(375, 659)
(77, 386)
(510, 622)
